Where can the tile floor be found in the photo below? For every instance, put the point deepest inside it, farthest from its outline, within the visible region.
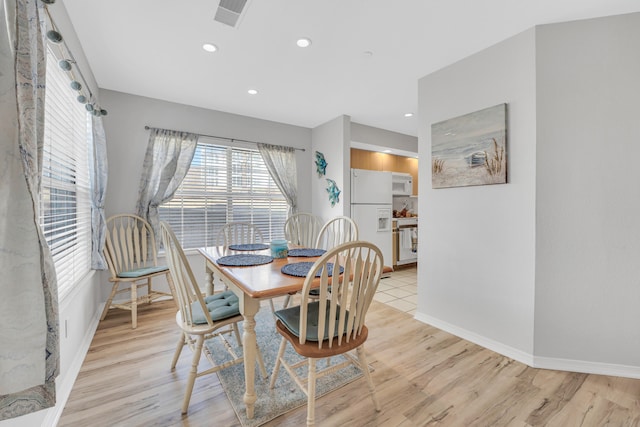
(400, 290)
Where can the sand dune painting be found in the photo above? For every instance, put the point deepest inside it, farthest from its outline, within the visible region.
(470, 149)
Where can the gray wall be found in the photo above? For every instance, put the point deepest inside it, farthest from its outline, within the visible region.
(127, 140)
(545, 268)
(382, 137)
(588, 200)
(332, 139)
(476, 259)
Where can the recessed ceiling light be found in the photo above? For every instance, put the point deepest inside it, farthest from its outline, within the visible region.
(408, 114)
(252, 92)
(303, 42)
(210, 47)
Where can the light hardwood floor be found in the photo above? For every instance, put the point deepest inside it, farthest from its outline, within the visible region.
(423, 377)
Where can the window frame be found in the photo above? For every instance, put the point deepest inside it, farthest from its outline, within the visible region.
(273, 201)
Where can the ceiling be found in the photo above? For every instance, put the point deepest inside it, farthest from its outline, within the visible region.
(365, 58)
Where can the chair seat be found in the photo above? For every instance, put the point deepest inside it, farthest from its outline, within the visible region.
(310, 348)
(140, 272)
(220, 306)
(290, 317)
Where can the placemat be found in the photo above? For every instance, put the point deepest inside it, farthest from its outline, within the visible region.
(244, 260)
(306, 252)
(300, 269)
(249, 247)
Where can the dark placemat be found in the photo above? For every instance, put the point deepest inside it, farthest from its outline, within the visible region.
(249, 247)
(306, 252)
(300, 269)
(244, 260)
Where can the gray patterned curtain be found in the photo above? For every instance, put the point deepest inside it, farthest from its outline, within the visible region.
(166, 163)
(29, 345)
(281, 163)
(98, 175)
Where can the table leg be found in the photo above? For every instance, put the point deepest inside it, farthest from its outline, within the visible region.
(249, 307)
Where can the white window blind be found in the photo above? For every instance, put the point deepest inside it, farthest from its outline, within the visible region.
(224, 184)
(65, 212)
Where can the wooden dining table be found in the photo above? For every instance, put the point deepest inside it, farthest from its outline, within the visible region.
(251, 284)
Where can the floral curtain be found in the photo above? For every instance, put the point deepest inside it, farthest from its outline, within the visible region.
(98, 175)
(281, 163)
(166, 163)
(29, 342)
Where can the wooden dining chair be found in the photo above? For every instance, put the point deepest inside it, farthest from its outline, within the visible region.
(130, 251)
(201, 318)
(337, 231)
(302, 229)
(334, 324)
(236, 233)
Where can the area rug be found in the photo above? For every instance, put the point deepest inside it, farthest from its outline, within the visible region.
(286, 395)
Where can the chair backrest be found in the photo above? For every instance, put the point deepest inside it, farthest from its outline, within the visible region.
(237, 233)
(130, 244)
(302, 229)
(345, 296)
(186, 287)
(337, 231)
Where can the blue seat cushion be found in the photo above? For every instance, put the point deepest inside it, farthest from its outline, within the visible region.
(139, 272)
(290, 317)
(220, 306)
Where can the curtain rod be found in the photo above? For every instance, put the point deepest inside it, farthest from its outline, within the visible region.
(230, 139)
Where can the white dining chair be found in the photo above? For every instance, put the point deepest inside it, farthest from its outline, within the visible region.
(334, 324)
(302, 229)
(337, 231)
(201, 318)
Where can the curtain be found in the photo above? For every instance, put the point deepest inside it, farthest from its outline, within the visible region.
(166, 163)
(29, 344)
(98, 176)
(281, 163)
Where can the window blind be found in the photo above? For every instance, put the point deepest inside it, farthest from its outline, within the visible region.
(224, 184)
(65, 212)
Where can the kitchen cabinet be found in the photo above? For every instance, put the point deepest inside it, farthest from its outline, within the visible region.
(373, 160)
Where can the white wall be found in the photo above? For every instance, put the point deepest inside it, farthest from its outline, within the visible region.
(476, 263)
(333, 140)
(588, 179)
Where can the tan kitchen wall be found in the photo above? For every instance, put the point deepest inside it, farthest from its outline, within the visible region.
(373, 160)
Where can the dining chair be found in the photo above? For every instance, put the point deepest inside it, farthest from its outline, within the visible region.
(337, 231)
(201, 318)
(130, 251)
(302, 229)
(335, 323)
(238, 233)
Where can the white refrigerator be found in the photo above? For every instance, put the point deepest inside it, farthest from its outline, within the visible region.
(371, 208)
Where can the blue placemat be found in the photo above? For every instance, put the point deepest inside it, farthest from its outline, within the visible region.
(249, 247)
(306, 252)
(244, 260)
(300, 269)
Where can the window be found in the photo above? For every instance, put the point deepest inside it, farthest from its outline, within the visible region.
(224, 184)
(65, 209)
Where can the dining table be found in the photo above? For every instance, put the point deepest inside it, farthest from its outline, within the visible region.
(251, 284)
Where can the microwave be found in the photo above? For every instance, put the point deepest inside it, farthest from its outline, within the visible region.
(401, 184)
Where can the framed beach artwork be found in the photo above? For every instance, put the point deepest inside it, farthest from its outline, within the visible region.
(470, 149)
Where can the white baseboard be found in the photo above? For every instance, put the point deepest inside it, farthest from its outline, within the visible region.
(530, 359)
(485, 342)
(63, 389)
